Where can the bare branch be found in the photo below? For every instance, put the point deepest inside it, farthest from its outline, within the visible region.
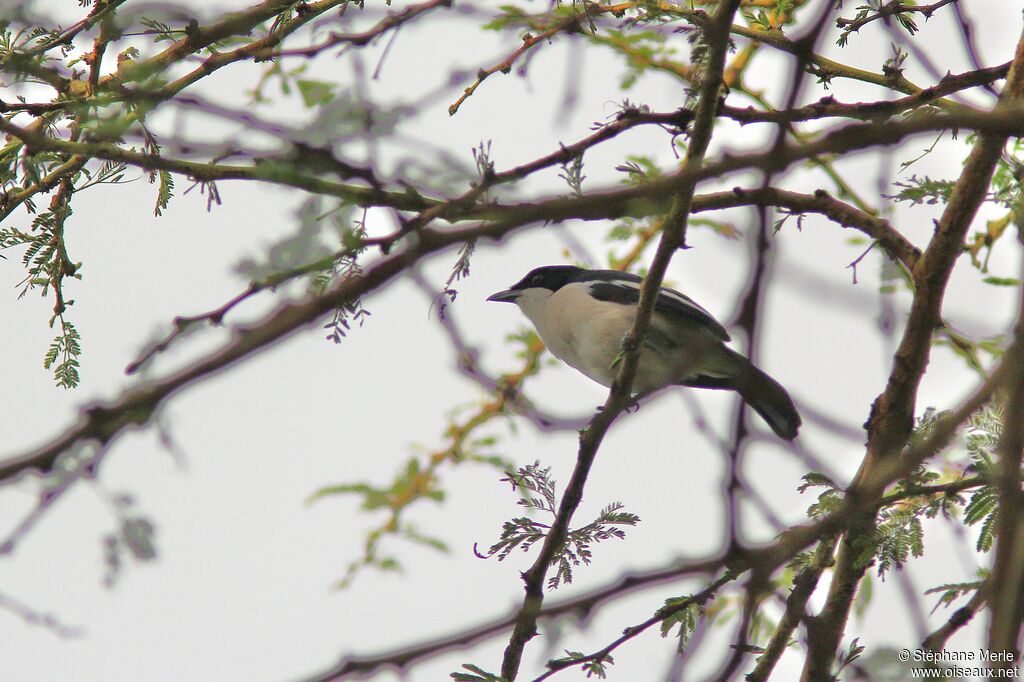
(583, 607)
(392, 21)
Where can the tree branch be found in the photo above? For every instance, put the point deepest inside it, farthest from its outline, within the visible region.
(891, 419)
(888, 10)
(619, 396)
(804, 584)
(936, 641)
(821, 202)
(633, 631)
(391, 21)
(645, 199)
(1007, 577)
(827, 106)
(570, 24)
(103, 422)
(583, 607)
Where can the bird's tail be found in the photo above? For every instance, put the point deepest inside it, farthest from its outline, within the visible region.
(768, 398)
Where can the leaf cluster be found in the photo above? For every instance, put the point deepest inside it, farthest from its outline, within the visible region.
(828, 500)
(412, 482)
(923, 191)
(63, 355)
(537, 493)
(593, 667)
(683, 613)
(983, 436)
(898, 532)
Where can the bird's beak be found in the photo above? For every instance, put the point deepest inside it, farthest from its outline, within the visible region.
(507, 296)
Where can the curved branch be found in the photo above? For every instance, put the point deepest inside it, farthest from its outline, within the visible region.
(645, 199)
(936, 641)
(103, 422)
(633, 631)
(389, 22)
(804, 585)
(570, 24)
(583, 607)
(271, 171)
(821, 202)
(888, 10)
(866, 111)
(97, 13)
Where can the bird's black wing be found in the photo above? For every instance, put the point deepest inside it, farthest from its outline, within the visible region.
(624, 288)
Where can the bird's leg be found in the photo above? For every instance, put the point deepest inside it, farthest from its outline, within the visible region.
(627, 345)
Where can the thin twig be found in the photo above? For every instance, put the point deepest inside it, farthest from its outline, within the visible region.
(936, 641)
(392, 21)
(633, 631)
(892, 8)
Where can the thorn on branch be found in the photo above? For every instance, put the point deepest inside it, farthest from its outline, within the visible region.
(859, 258)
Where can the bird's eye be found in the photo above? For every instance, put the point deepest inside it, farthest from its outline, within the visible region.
(535, 279)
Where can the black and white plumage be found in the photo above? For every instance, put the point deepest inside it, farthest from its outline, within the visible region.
(583, 315)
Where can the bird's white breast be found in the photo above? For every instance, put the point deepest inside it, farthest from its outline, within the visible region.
(578, 329)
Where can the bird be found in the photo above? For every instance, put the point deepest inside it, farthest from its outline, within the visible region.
(583, 315)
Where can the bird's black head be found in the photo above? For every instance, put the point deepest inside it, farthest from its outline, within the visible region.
(551, 277)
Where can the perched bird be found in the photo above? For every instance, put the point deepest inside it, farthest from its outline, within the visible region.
(583, 315)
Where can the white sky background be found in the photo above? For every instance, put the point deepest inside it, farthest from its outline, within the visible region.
(242, 586)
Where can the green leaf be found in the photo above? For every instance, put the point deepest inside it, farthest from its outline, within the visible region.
(817, 479)
(479, 675)
(63, 354)
(983, 503)
(682, 612)
(373, 498)
(923, 190)
(1002, 281)
(164, 193)
(314, 93)
(951, 592)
